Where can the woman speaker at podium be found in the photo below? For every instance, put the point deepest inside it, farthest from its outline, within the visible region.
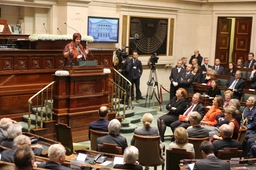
(74, 51)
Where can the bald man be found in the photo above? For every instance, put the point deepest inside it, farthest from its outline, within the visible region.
(101, 124)
(4, 125)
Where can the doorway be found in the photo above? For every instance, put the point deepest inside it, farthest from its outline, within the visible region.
(233, 39)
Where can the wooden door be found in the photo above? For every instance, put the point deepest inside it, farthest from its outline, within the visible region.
(242, 38)
(223, 40)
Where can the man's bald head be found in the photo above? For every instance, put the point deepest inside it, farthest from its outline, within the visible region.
(226, 131)
(5, 123)
(103, 111)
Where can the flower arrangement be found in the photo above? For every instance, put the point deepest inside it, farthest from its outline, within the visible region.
(54, 37)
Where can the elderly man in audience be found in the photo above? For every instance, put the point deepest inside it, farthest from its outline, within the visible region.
(101, 124)
(131, 155)
(7, 155)
(226, 140)
(210, 161)
(236, 84)
(113, 137)
(146, 130)
(195, 105)
(196, 130)
(4, 124)
(24, 158)
(13, 131)
(57, 155)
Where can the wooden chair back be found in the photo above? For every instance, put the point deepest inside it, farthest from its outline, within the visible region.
(94, 134)
(110, 148)
(242, 134)
(174, 156)
(149, 150)
(228, 153)
(196, 142)
(64, 136)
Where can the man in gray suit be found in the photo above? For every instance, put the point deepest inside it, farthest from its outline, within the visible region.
(196, 131)
(210, 161)
(219, 69)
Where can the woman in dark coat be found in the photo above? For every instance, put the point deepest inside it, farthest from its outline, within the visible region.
(176, 106)
(214, 90)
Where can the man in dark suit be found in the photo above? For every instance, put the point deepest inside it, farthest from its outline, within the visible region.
(249, 63)
(205, 66)
(175, 74)
(57, 155)
(219, 69)
(197, 56)
(226, 140)
(101, 124)
(13, 131)
(195, 105)
(196, 131)
(24, 158)
(113, 137)
(210, 161)
(236, 84)
(8, 155)
(136, 74)
(186, 79)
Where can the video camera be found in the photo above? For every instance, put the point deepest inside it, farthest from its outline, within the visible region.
(121, 54)
(153, 59)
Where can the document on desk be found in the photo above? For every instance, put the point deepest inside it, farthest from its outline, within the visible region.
(118, 160)
(106, 163)
(191, 166)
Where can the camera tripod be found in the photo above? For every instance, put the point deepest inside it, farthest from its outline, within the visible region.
(152, 84)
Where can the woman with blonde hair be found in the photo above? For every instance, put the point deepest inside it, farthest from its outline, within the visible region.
(227, 97)
(181, 140)
(146, 130)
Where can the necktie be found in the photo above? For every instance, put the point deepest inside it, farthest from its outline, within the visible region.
(189, 110)
(217, 68)
(233, 85)
(250, 64)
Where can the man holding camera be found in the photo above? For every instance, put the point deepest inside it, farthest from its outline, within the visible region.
(136, 74)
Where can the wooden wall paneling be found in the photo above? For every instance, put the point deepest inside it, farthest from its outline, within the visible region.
(124, 32)
(171, 34)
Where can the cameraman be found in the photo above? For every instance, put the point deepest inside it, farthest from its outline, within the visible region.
(136, 74)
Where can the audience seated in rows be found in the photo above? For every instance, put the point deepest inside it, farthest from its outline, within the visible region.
(196, 130)
(236, 84)
(24, 158)
(57, 155)
(195, 105)
(146, 130)
(113, 137)
(7, 155)
(4, 124)
(181, 141)
(131, 155)
(13, 131)
(101, 124)
(209, 120)
(214, 89)
(175, 107)
(210, 75)
(226, 140)
(210, 161)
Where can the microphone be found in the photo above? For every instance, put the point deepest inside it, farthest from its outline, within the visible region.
(59, 31)
(70, 27)
(45, 28)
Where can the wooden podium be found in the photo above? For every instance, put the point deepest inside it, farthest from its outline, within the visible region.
(77, 98)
